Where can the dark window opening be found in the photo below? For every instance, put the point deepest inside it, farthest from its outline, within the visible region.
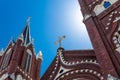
(27, 62)
(61, 71)
(6, 60)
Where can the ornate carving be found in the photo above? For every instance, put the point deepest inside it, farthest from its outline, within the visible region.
(101, 7)
(116, 39)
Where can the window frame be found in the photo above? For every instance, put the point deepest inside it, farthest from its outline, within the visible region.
(28, 61)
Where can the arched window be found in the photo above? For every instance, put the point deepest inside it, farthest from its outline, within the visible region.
(6, 59)
(106, 4)
(28, 60)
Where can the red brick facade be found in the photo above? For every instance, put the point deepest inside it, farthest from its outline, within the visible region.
(102, 20)
(18, 61)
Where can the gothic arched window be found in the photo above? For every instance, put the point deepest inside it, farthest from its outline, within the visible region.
(28, 61)
(106, 4)
(6, 59)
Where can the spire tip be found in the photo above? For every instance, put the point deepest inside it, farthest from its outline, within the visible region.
(28, 20)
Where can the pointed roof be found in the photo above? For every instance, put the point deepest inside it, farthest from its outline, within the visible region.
(39, 55)
(25, 34)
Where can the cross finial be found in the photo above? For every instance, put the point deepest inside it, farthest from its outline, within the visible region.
(28, 20)
(59, 41)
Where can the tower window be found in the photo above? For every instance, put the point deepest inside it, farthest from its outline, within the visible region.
(6, 59)
(106, 4)
(28, 62)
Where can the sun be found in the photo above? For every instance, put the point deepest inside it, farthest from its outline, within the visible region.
(75, 18)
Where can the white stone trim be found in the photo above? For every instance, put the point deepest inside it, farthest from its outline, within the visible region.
(86, 16)
(25, 74)
(64, 71)
(90, 71)
(100, 8)
(116, 40)
(39, 55)
(77, 62)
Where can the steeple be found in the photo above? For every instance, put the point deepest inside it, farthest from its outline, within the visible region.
(25, 34)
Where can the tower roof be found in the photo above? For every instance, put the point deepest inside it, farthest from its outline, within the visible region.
(25, 34)
(39, 55)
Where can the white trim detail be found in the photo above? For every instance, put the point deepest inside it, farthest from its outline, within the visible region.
(77, 62)
(86, 16)
(100, 8)
(28, 64)
(64, 71)
(29, 51)
(39, 55)
(90, 71)
(116, 39)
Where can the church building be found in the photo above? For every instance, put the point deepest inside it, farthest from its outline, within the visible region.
(102, 20)
(18, 61)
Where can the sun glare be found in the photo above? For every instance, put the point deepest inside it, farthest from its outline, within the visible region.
(75, 18)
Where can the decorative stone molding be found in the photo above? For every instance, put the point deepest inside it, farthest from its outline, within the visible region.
(65, 70)
(93, 3)
(116, 40)
(90, 71)
(100, 8)
(77, 62)
(25, 74)
(86, 16)
(113, 17)
(55, 67)
(61, 71)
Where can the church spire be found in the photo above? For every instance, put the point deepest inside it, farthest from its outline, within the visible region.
(25, 34)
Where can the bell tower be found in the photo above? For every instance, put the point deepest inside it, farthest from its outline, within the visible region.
(102, 20)
(18, 60)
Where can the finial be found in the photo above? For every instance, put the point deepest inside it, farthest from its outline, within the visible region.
(59, 41)
(39, 55)
(28, 20)
(21, 36)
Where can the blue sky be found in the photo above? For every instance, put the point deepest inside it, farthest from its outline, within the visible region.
(50, 19)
